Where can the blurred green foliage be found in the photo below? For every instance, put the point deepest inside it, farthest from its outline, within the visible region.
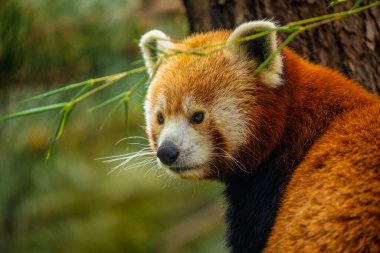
(71, 203)
(51, 41)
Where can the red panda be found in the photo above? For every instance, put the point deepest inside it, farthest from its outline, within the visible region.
(297, 145)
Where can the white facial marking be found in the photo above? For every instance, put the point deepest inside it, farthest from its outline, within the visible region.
(151, 112)
(148, 114)
(230, 120)
(187, 102)
(193, 148)
(161, 103)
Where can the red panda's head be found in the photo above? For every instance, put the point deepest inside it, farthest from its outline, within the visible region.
(206, 115)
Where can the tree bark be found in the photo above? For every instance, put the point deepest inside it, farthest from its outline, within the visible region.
(350, 46)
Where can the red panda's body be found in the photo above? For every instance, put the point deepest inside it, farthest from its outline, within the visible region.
(332, 201)
(298, 147)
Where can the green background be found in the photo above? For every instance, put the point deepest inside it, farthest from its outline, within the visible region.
(72, 203)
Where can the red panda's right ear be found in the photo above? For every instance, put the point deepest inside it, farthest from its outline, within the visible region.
(154, 44)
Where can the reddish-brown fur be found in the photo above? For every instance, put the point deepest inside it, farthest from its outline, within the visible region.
(332, 202)
(318, 124)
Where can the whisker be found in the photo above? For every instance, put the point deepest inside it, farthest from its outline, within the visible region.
(130, 158)
(131, 137)
(141, 164)
(116, 156)
(148, 171)
(238, 163)
(137, 137)
(127, 156)
(163, 174)
(170, 180)
(137, 144)
(217, 169)
(250, 154)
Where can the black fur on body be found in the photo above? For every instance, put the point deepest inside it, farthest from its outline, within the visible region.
(253, 201)
(254, 198)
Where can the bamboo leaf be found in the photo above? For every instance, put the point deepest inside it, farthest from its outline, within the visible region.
(33, 111)
(84, 89)
(270, 58)
(140, 82)
(334, 15)
(52, 142)
(126, 111)
(192, 52)
(130, 92)
(87, 82)
(108, 101)
(357, 4)
(63, 121)
(335, 2)
(109, 81)
(155, 49)
(110, 113)
(56, 91)
(68, 109)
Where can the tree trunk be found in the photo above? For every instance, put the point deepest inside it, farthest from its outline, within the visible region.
(351, 46)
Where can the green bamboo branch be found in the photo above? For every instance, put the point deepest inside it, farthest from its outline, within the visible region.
(334, 15)
(298, 27)
(56, 91)
(111, 112)
(108, 82)
(35, 110)
(335, 2)
(123, 98)
(126, 117)
(64, 119)
(70, 87)
(93, 86)
(357, 4)
(270, 58)
(107, 102)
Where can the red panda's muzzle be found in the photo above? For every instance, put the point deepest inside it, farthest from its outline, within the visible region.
(167, 153)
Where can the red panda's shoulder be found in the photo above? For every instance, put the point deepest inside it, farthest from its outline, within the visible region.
(334, 188)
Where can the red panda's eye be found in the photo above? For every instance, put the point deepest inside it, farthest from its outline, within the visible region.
(160, 118)
(197, 118)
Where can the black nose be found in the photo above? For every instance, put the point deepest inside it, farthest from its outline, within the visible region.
(167, 153)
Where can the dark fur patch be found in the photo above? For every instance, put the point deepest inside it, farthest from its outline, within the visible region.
(257, 49)
(253, 201)
(153, 140)
(219, 142)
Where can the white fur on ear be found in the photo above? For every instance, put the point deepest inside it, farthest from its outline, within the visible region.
(258, 49)
(160, 41)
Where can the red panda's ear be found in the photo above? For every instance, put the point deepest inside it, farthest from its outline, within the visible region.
(258, 49)
(154, 44)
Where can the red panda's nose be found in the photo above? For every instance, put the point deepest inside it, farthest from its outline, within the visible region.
(167, 153)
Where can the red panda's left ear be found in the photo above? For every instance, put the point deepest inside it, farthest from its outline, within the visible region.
(244, 48)
(154, 44)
